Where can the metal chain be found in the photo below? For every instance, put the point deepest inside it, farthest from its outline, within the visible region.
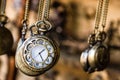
(2, 6)
(98, 15)
(24, 29)
(40, 10)
(47, 9)
(104, 13)
(101, 15)
(43, 23)
(100, 20)
(44, 9)
(26, 10)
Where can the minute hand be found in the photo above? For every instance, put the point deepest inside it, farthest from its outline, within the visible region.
(41, 51)
(40, 54)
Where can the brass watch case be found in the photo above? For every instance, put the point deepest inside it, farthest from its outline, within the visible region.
(98, 57)
(84, 60)
(27, 69)
(6, 40)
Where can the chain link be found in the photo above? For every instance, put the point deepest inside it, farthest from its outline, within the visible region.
(47, 9)
(26, 10)
(40, 10)
(104, 13)
(2, 6)
(43, 23)
(43, 10)
(98, 15)
(101, 15)
(24, 29)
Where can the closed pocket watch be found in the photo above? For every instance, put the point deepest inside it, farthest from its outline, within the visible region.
(6, 39)
(37, 54)
(98, 55)
(84, 55)
(84, 60)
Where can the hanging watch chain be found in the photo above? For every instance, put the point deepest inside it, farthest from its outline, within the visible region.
(43, 24)
(100, 22)
(91, 38)
(101, 35)
(96, 57)
(24, 22)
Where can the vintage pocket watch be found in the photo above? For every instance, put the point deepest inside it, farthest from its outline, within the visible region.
(6, 38)
(84, 55)
(84, 60)
(37, 54)
(98, 55)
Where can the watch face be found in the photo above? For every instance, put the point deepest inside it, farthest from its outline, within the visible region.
(39, 53)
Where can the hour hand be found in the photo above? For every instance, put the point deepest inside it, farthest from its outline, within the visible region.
(40, 54)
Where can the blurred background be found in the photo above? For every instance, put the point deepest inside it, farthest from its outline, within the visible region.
(73, 22)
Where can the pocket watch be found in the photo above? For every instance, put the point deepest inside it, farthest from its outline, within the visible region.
(6, 38)
(84, 56)
(84, 60)
(98, 57)
(37, 54)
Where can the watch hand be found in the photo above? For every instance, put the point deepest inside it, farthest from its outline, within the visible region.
(41, 51)
(41, 58)
(40, 54)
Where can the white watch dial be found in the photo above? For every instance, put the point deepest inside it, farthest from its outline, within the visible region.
(39, 53)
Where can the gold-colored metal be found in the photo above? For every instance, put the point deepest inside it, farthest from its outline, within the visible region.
(101, 15)
(3, 19)
(6, 39)
(2, 6)
(38, 53)
(31, 47)
(97, 57)
(18, 62)
(26, 10)
(100, 36)
(98, 16)
(43, 15)
(91, 39)
(46, 25)
(29, 69)
(25, 20)
(46, 9)
(21, 66)
(84, 60)
(104, 13)
(40, 10)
